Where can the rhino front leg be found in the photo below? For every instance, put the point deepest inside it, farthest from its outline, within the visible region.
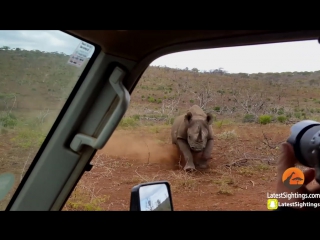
(185, 149)
(206, 155)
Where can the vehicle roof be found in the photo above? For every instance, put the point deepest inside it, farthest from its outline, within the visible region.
(137, 44)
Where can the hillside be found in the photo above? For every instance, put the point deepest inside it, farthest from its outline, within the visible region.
(40, 80)
(164, 92)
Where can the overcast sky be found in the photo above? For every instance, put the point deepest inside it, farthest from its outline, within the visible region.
(43, 40)
(280, 57)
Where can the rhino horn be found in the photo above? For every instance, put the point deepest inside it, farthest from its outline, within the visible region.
(199, 139)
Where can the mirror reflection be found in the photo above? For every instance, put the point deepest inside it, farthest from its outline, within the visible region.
(155, 198)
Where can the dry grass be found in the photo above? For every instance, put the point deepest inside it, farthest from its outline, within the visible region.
(182, 181)
(241, 162)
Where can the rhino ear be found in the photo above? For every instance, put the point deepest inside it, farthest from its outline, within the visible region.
(188, 117)
(209, 118)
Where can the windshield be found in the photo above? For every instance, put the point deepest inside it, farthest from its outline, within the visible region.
(39, 69)
(254, 93)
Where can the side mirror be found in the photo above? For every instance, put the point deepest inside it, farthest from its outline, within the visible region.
(152, 196)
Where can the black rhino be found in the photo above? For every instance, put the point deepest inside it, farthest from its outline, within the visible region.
(193, 134)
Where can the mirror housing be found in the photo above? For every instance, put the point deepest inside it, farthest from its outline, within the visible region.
(151, 196)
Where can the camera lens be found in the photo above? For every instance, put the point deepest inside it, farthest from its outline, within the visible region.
(310, 141)
(305, 140)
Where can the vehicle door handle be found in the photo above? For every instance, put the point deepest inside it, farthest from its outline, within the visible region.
(80, 139)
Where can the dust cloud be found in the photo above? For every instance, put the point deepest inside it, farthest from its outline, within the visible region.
(141, 148)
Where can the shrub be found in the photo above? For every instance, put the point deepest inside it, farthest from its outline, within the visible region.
(217, 109)
(282, 119)
(227, 135)
(81, 200)
(170, 121)
(281, 111)
(136, 117)
(28, 138)
(151, 99)
(219, 124)
(297, 115)
(128, 122)
(249, 118)
(264, 119)
(8, 121)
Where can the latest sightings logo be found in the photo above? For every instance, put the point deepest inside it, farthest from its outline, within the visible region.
(272, 204)
(293, 178)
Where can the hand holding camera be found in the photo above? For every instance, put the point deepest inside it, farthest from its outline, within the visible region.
(302, 146)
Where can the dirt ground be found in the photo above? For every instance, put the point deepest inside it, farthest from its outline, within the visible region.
(242, 169)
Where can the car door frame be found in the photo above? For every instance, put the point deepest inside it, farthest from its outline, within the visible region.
(135, 70)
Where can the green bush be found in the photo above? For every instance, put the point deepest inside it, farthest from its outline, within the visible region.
(8, 121)
(249, 118)
(297, 115)
(136, 117)
(128, 122)
(217, 109)
(28, 138)
(264, 119)
(151, 99)
(170, 121)
(281, 111)
(282, 119)
(219, 124)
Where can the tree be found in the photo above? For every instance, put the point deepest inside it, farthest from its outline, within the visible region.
(250, 100)
(204, 93)
(5, 48)
(149, 205)
(219, 71)
(8, 101)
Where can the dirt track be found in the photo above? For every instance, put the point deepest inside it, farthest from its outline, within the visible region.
(242, 185)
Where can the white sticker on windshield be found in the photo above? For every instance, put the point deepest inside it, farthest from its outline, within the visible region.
(76, 60)
(84, 49)
(82, 52)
